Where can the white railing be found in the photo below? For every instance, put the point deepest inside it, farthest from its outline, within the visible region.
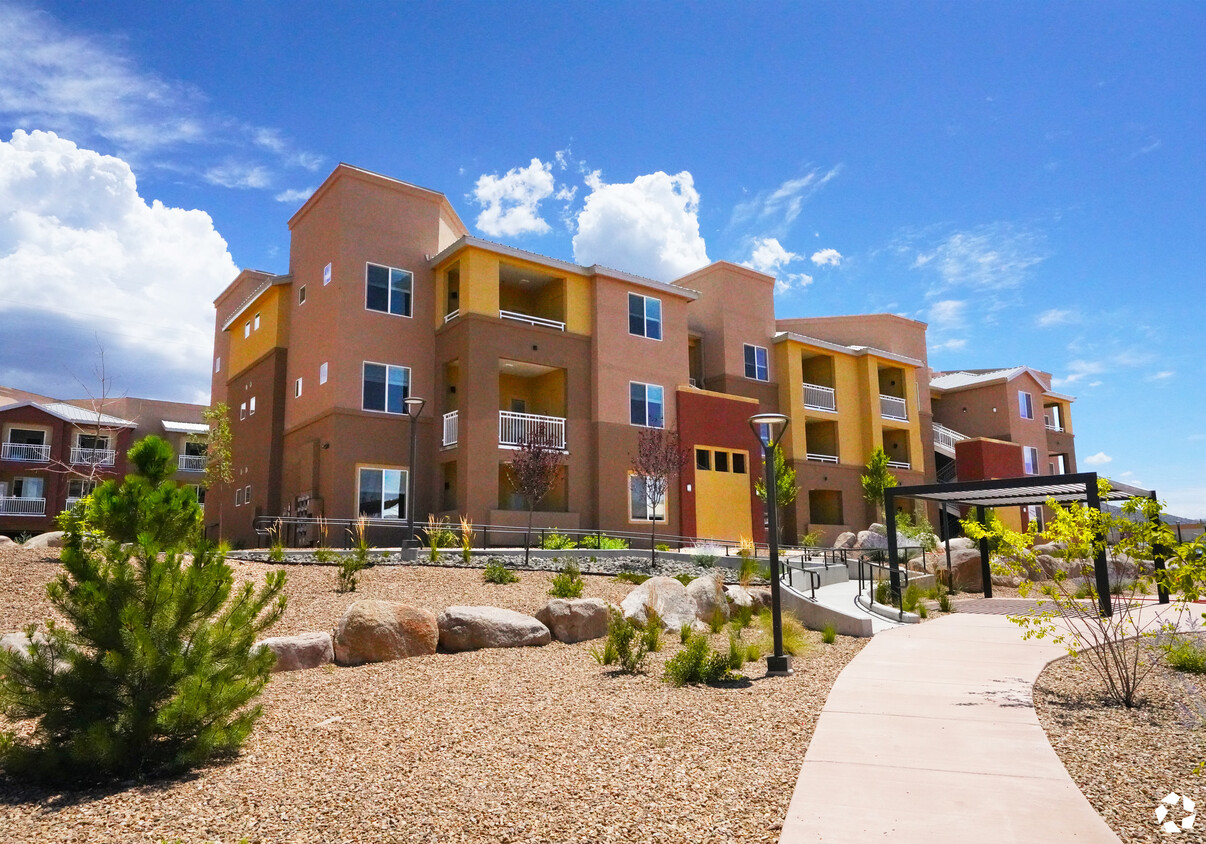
(22, 506)
(451, 315)
(191, 463)
(71, 502)
(1051, 427)
(817, 397)
(899, 464)
(452, 425)
(822, 458)
(532, 320)
(515, 428)
(94, 456)
(945, 438)
(891, 407)
(23, 451)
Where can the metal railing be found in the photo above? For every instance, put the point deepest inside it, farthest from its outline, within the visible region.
(866, 570)
(10, 506)
(818, 397)
(892, 407)
(94, 456)
(944, 437)
(71, 502)
(900, 464)
(451, 428)
(25, 451)
(793, 565)
(451, 315)
(516, 428)
(532, 320)
(822, 458)
(191, 463)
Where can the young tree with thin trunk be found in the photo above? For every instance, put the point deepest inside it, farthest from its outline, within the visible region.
(785, 487)
(659, 457)
(218, 468)
(532, 472)
(878, 479)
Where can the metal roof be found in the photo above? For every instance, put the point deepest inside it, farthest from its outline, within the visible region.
(185, 427)
(1009, 492)
(82, 415)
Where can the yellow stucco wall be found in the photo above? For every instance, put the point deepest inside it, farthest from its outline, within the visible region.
(722, 500)
(270, 305)
(543, 395)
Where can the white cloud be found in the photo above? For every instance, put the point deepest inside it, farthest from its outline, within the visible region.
(294, 195)
(948, 313)
(511, 202)
(649, 226)
(237, 174)
(950, 345)
(782, 205)
(1098, 459)
(769, 256)
(1161, 376)
(1055, 316)
(1078, 370)
(82, 253)
(992, 257)
(827, 258)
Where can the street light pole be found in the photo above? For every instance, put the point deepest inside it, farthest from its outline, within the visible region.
(414, 406)
(774, 425)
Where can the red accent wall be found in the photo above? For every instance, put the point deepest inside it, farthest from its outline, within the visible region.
(983, 459)
(708, 419)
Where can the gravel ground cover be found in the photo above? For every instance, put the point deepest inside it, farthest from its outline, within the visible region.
(1126, 761)
(531, 745)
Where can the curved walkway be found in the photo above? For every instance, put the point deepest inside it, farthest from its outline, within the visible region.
(930, 735)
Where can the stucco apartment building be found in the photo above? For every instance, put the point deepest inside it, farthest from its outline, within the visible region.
(388, 296)
(54, 452)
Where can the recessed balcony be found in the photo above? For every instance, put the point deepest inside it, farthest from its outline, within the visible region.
(451, 429)
(892, 407)
(820, 397)
(25, 452)
(191, 463)
(12, 506)
(514, 429)
(93, 456)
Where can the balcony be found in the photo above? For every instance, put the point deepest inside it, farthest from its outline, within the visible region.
(10, 506)
(822, 458)
(93, 456)
(817, 397)
(516, 428)
(899, 464)
(26, 452)
(71, 502)
(451, 315)
(891, 407)
(945, 439)
(452, 428)
(532, 320)
(191, 463)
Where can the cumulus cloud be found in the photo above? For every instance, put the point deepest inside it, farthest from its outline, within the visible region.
(782, 205)
(768, 256)
(997, 256)
(1055, 316)
(1098, 459)
(83, 254)
(294, 195)
(649, 226)
(948, 312)
(511, 202)
(826, 258)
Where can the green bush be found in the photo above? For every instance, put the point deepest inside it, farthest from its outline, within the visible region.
(661, 546)
(741, 616)
(631, 577)
(625, 646)
(829, 634)
(603, 543)
(795, 637)
(918, 529)
(910, 599)
(944, 603)
(684, 633)
(557, 542)
(704, 560)
(753, 652)
(1186, 653)
(651, 632)
(324, 555)
(697, 663)
(350, 565)
(736, 651)
(811, 539)
(883, 591)
(684, 579)
(496, 572)
(568, 582)
(717, 621)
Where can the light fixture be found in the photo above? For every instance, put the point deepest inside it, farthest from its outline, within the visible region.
(414, 406)
(769, 429)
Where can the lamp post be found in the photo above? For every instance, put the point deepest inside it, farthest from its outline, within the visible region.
(769, 429)
(414, 406)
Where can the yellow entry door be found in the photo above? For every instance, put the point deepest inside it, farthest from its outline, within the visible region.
(722, 494)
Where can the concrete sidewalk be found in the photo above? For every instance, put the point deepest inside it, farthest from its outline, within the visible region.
(930, 735)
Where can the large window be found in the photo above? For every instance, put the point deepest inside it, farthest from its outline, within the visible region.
(387, 290)
(756, 366)
(1031, 456)
(382, 493)
(386, 387)
(644, 316)
(638, 502)
(1025, 405)
(645, 405)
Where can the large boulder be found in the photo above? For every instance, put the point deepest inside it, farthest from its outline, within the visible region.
(378, 631)
(876, 527)
(845, 540)
(1053, 549)
(1126, 567)
(667, 596)
(738, 596)
(6, 541)
(761, 596)
(575, 619)
(305, 650)
(472, 628)
(966, 571)
(708, 593)
(869, 540)
(54, 539)
(959, 543)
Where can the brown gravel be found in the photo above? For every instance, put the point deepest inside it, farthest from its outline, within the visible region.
(1126, 761)
(531, 745)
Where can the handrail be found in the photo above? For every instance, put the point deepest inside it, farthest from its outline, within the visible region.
(451, 428)
(451, 315)
(819, 397)
(893, 407)
(945, 437)
(17, 506)
(822, 458)
(29, 452)
(514, 428)
(532, 320)
(902, 569)
(900, 464)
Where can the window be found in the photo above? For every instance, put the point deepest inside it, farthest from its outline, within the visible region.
(28, 487)
(218, 364)
(301, 295)
(195, 449)
(722, 461)
(645, 404)
(738, 463)
(387, 290)
(92, 442)
(80, 487)
(247, 329)
(251, 406)
(382, 493)
(238, 497)
(385, 387)
(326, 275)
(1032, 460)
(639, 502)
(243, 410)
(703, 459)
(755, 363)
(1025, 405)
(644, 316)
(247, 494)
(322, 373)
(1034, 513)
(198, 491)
(23, 436)
(297, 388)
(256, 325)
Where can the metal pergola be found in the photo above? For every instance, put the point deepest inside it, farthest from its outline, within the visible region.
(1020, 492)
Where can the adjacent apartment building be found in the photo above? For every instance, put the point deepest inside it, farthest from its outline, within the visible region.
(388, 297)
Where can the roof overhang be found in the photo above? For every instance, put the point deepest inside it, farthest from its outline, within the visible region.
(271, 281)
(185, 427)
(1028, 491)
(784, 336)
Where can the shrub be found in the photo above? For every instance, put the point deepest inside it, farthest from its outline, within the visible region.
(918, 529)
(557, 542)
(736, 651)
(883, 591)
(753, 652)
(944, 603)
(651, 633)
(740, 617)
(602, 542)
(439, 535)
(625, 646)
(684, 579)
(1186, 653)
(684, 633)
(276, 551)
(795, 638)
(324, 555)
(661, 546)
(704, 560)
(568, 582)
(910, 599)
(496, 572)
(350, 565)
(811, 539)
(829, 634)
(697, 663)
(466, 540)
(717, 620)
(631, 577)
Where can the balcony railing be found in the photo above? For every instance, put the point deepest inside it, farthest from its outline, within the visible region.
(516, 428)
(891, 407)
(945, 438)
(900, 464)
(451, 315)
(71, 502)
(94, 456)
(22, 506)
(822, 458)
(191, 463)
(26, 452)
(452, 424)
(532, 320)
(817, 397)
(1051, 426)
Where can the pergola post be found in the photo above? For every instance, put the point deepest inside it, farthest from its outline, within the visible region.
(985, 568)
(893, 562)
(946, 530)
(1101, 568)
(1158, 558)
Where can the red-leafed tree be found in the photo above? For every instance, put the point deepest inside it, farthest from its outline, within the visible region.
(659, 457)
(532, 472)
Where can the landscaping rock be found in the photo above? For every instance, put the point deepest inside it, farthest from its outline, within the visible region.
(575, 619)
(708, 593)
(305, 650)
(739, 596)
(472, 628)
(870, 540)
(667, 596)
(1054, 549)
(958, 543)
(845, 540)
(1125, 567)
(379, 631)
(6, 541)
(19, 642)
(761, 596)
(876, 527)
(54, 539)
(966, 571)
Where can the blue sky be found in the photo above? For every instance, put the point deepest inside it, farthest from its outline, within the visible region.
(1027, 178)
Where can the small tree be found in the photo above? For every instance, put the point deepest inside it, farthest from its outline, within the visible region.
(146, 507)
(786, 489)
(659, 457)
(877, 479)
(219, 468)
(532, 471)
